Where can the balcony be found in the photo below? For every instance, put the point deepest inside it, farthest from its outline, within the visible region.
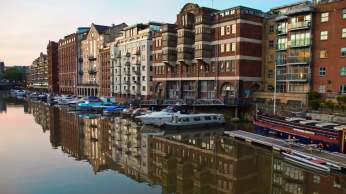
(167, 57)
(171, 42)
(92, 58)
(296, 77)
(203, 37)
(298, 60)
(281, 46)
(202, 53)
(182, 56)
(92, 71)
(300, 43)
(299, 25)
(185, 40)
(281, 62)
(281, 31)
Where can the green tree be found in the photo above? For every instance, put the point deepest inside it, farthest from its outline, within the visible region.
(14, 75)
(314, 100)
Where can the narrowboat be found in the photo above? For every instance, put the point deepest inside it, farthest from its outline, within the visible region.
(326, 136)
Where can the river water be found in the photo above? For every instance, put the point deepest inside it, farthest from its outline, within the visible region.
(44, 150)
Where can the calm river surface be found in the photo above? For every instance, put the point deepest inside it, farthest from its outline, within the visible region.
(44, 150)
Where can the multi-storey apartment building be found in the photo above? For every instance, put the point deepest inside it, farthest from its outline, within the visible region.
(97, 38)
(81, 35)
(39, 73)
(210, 54)
(329, 51)
(293, 43)
(53, 74)
(105, 86)
(131, 62)
(68, 64)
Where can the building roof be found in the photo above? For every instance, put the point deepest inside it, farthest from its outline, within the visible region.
(101, 29)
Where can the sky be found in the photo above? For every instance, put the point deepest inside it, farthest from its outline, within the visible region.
(26, 26)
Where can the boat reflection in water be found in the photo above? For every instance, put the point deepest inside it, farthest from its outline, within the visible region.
(192, 161)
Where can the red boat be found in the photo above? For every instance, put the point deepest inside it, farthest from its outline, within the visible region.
(327, 136)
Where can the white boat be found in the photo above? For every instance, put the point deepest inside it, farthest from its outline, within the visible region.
(157, 118)
(183, 121)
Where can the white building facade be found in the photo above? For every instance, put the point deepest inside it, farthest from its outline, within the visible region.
(131, 62)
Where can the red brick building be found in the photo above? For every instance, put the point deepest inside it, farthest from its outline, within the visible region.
(210, 54)
(329, 51)
(68, 64)
(53, 73)
(105, 88)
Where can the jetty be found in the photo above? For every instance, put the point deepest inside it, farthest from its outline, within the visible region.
(287, 146)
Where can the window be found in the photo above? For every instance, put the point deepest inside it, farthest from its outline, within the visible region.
(324, 35)
(323, 71)
(270, 73)
(271, 44)
(343, 52)
(222, 31)
(322, 89)
(233, 46)
(343, 33)
(324, 17)
(222, 48)
(228, 47)
(343, 89)
(343, 13)
(343, 71)
(143, 88)
(228, 30)
(271, 29)
(196, 118)
(234, 28)
(323, 53)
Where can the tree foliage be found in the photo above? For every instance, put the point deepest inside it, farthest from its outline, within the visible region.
(14, 75)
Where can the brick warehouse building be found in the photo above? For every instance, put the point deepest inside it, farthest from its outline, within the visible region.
(53, 76)
(218, 54)
(67, 64)
(105, 82)
(329, 53)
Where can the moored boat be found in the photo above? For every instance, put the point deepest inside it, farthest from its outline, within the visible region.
(327, 136)
(183, 121)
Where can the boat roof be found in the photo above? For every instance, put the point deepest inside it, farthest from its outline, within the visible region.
(309, 122)
(295, 119)
(325, 124)
(198, 115)
(340, 127)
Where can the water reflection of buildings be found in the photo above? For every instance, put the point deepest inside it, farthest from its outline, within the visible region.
(186, 162)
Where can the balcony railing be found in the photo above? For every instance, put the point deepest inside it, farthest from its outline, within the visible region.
(281, 61)
(299, 25)
(92, 71)
(301, 43)
(203, 37)
(91, 58)
(202, 53)
(302, 77)
(169, 57)
(300, 60)
(185, 40)
(281, 46)
(184, 56)
(281, 31)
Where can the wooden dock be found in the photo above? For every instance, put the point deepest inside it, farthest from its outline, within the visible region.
(281, 145)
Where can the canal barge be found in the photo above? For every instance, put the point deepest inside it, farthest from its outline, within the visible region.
(326, 136)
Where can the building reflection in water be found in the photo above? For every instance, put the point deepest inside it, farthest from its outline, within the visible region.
(180, 162)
